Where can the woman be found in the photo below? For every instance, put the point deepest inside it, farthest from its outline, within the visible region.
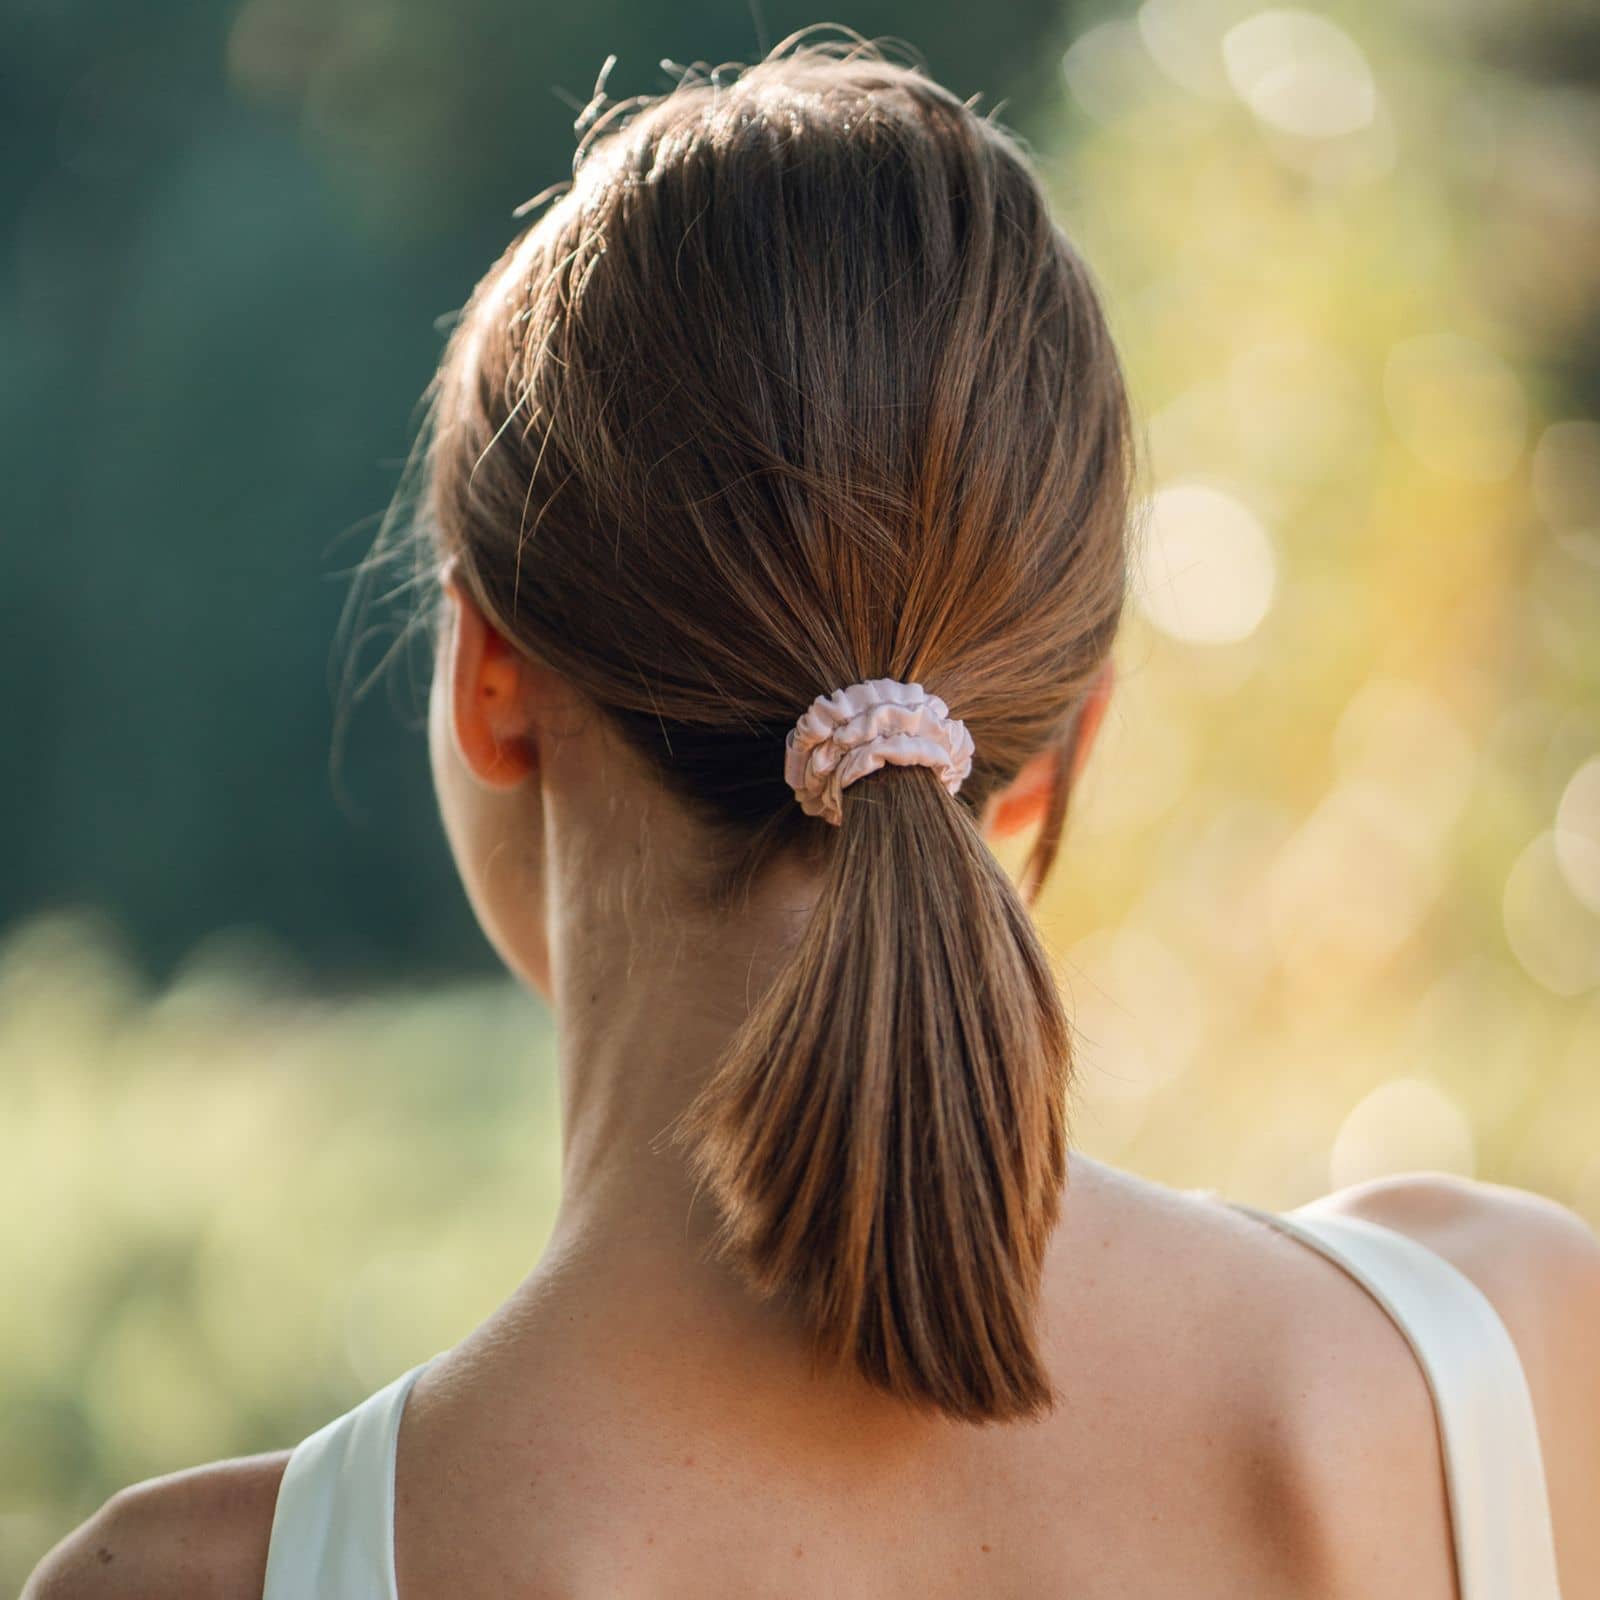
(777, 492)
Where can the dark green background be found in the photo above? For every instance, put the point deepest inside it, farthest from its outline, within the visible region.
(232, 232)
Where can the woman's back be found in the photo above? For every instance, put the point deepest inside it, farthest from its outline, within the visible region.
(790, 449)
(1239, 1419)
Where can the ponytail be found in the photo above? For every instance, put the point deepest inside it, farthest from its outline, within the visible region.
(882, 425)
(886, 1135)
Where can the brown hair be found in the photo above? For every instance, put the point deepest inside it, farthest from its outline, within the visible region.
(795, 385)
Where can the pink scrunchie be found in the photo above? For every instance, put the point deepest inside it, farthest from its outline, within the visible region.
(851, 732)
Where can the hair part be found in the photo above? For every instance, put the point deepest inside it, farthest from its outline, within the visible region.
(797, 384)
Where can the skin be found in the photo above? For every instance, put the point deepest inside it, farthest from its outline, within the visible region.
(1239, 1417)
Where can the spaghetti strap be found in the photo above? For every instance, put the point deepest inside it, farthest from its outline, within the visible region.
(1494, 1471)
(333, 1527)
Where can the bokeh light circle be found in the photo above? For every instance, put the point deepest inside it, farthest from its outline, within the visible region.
(1300, 73)
(1551, 931)
(1577, 834)
(1208, 568)
(1405, 1125)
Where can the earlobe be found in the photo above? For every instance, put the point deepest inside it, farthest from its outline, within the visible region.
(1026, 799)
(488, 696)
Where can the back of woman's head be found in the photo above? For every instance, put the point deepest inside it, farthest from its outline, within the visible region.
(795, 386)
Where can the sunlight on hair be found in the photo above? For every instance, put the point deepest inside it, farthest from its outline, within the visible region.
(1405, 1125)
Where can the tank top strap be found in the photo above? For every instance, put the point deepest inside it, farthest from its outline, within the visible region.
(333, 1527)
(1494, 1470)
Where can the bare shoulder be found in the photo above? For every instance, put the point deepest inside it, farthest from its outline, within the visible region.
(1529, 1254)
(1538, 1263)
(201, 1534)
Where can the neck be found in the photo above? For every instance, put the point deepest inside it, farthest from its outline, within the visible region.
(649, 988)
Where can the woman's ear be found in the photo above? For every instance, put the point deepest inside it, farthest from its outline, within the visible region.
(490, 702)
(1093, 714)
(1026, 799)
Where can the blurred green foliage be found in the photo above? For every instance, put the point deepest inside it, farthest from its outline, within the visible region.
(232, 1203)
(1330, 901)
(234, 230)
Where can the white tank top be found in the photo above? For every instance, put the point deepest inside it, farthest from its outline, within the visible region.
(333, 1529)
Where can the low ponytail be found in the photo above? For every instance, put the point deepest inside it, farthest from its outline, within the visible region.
(886, 1135)
(797, 377)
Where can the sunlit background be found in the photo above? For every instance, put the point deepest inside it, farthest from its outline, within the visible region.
(272, 1125)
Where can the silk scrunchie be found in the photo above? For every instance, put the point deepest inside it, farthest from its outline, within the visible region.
(855, 731)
